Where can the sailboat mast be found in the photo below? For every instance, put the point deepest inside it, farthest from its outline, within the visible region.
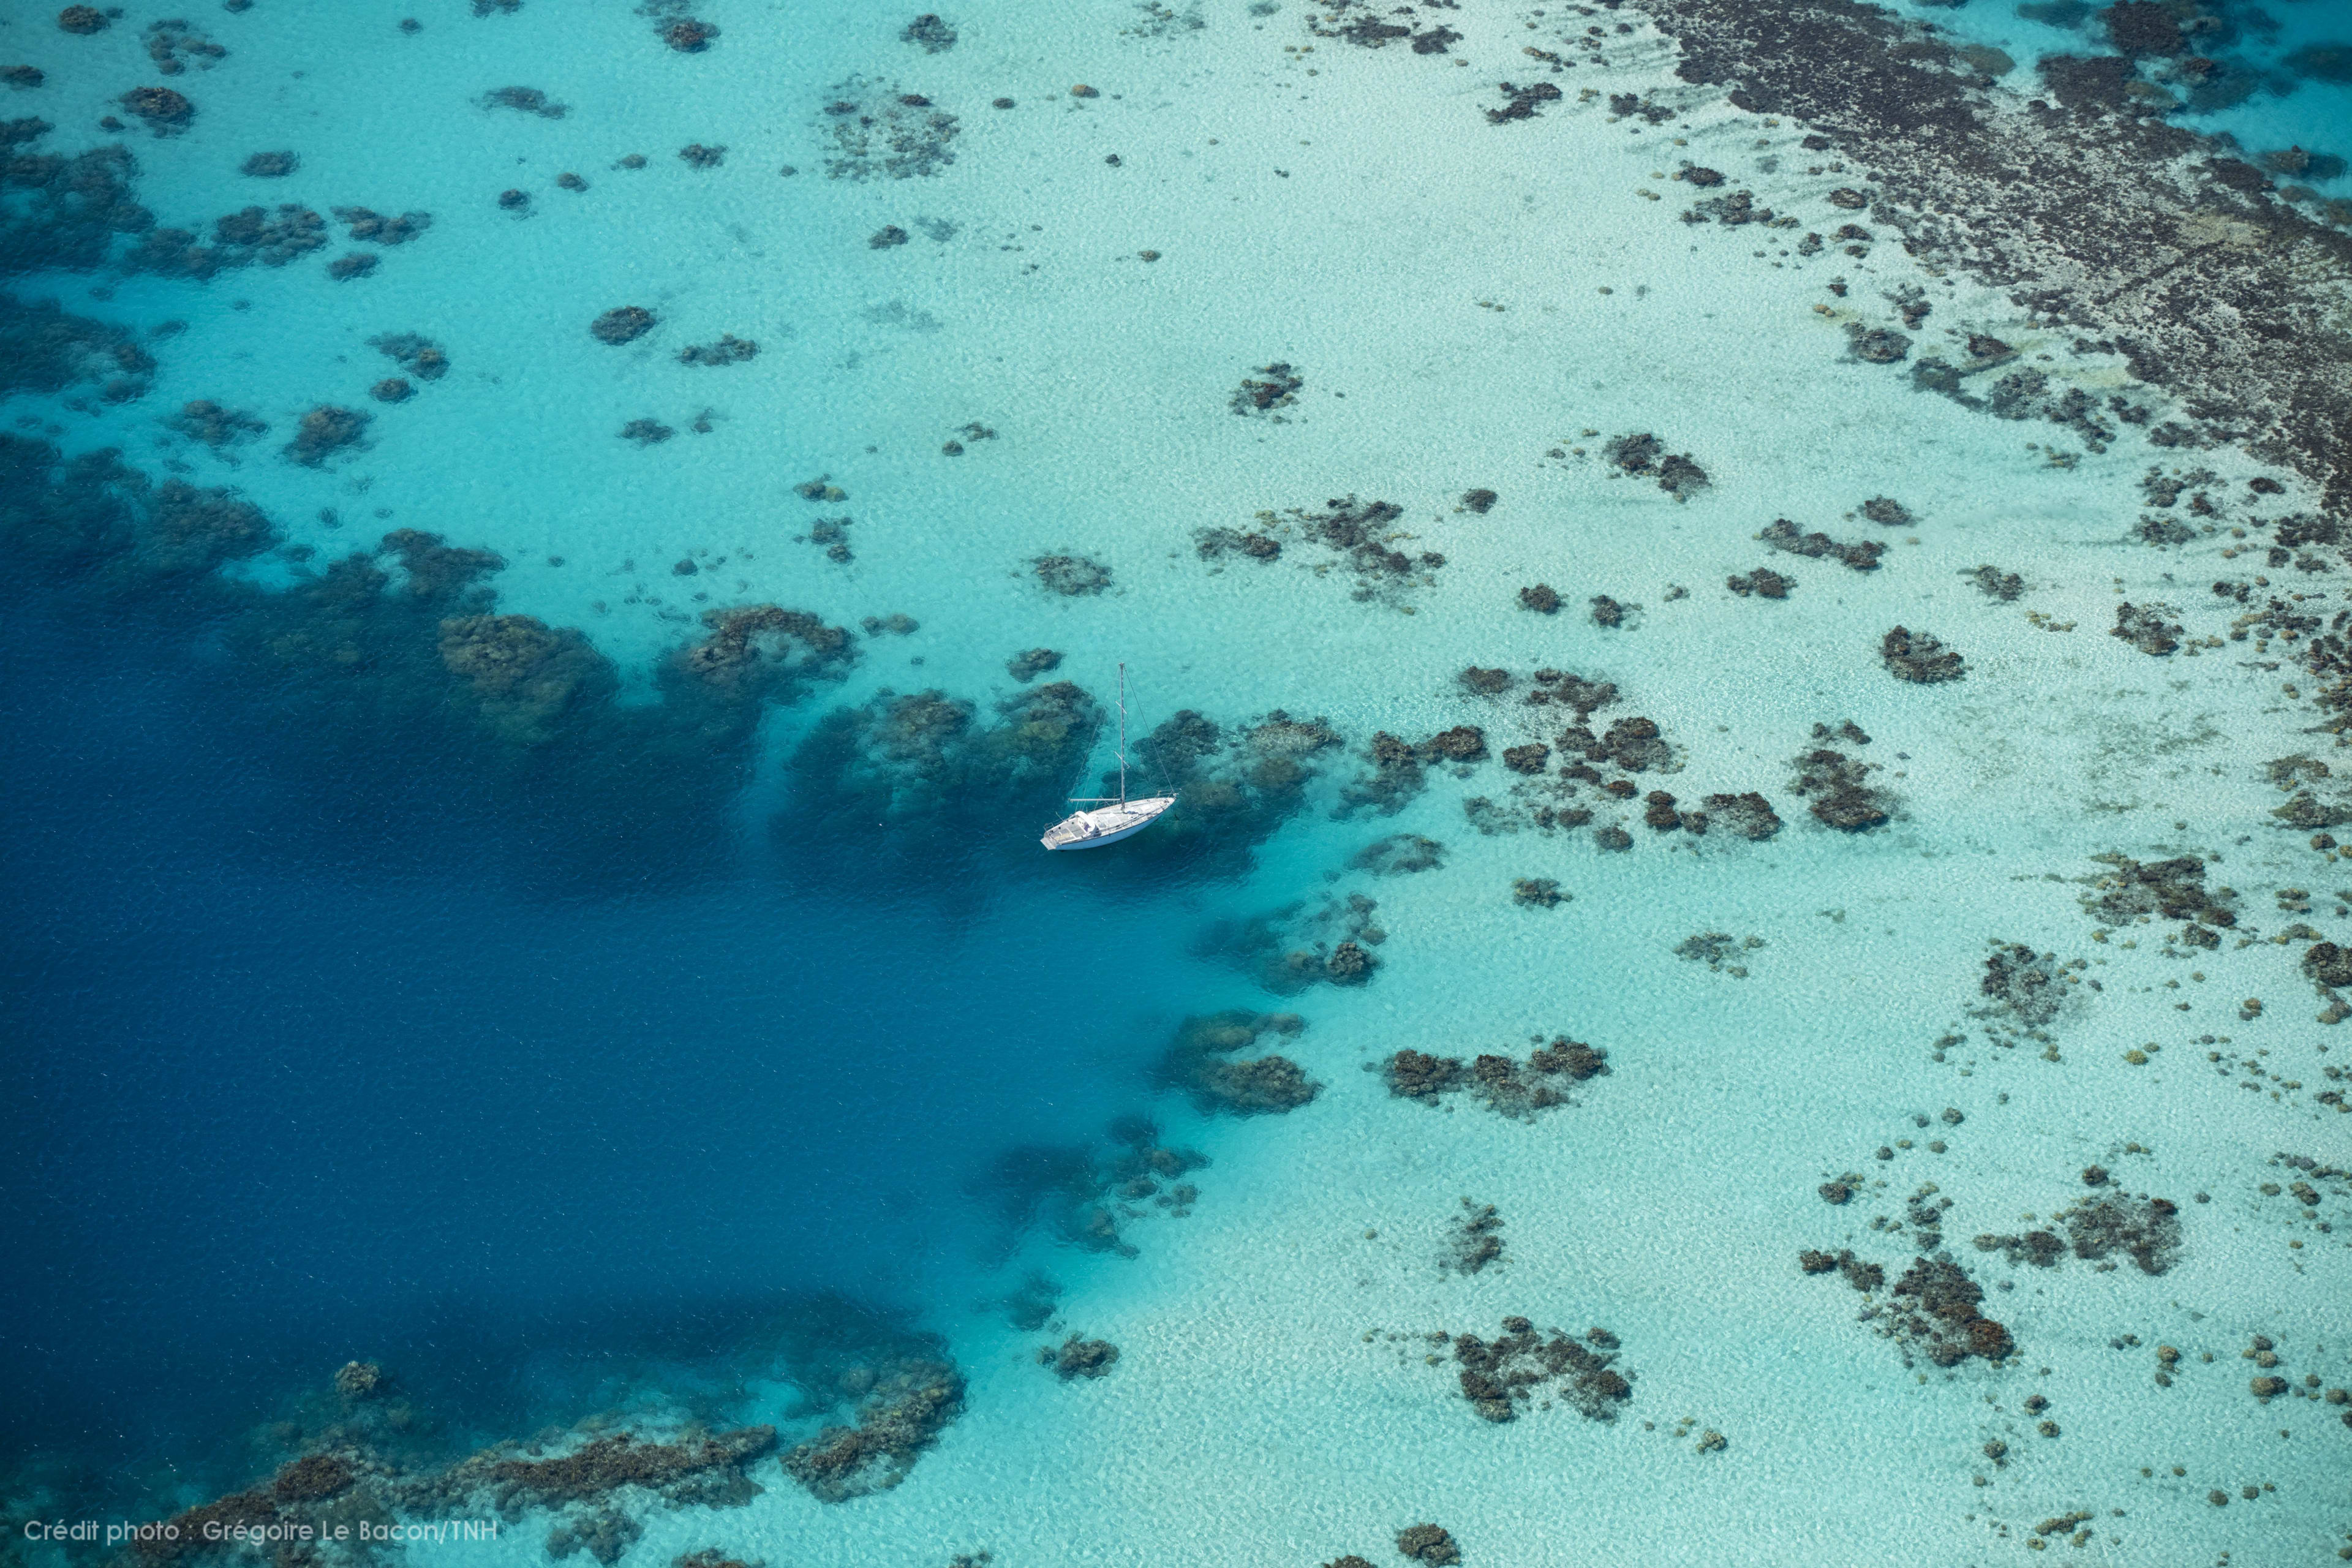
(1122, 734)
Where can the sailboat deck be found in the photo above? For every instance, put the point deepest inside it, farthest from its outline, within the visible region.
(1104, 823)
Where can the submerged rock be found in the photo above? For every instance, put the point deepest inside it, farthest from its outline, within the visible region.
(622, 324)
(1076, 1357)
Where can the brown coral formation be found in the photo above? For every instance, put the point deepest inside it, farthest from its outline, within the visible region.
(622, 324)
(695, 1467)
(2170, 889)
(1749, 815)
(1837, 785)
(1862, 555)
(1403, 854)
(1473, 1240)
(419, 355)
(1072, 576)
(904, 1416)
(874, 131)
(2064, 205)
(1645, 456)
(729, 349)
(323, 432)
(1428, 1544)
(166, 113)
(752, 648)
(2145, 1229)
(1268, 388)
(1076, 1357)
(1525, 1367)
(1509, 1086)
(1234, 784)
(1764, 582)
(525, 677)
(2026, 984)
(1918, 658)
(1288, 949)
(1200, 1061)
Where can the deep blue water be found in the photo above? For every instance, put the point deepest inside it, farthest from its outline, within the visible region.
(304, 1073)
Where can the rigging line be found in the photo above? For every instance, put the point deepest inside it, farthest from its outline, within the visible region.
(1158, 773)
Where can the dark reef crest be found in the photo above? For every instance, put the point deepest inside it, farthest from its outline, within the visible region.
(2088, 208)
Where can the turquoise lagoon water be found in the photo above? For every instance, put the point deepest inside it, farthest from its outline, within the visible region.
(648, 1075)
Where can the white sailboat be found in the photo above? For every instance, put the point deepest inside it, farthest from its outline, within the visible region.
(1112, 819)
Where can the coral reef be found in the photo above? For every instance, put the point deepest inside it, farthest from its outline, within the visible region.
(1084, 1201)
(1749, 815)
(729, 349)
(359, 1380)
(2170, 889)
(166, 113)
(2145, 1229)
(907, 1410)
(874, 130)
(697, 1468)
(1918, 658)
(527, 99)
(1995, 583)
(622, 324)
(935, 35)
(928, 765)
(1287, 950)
(1836, 784)
(1717, 949)
(1028, 666)
(2026, 984)
(1509, 1087)
(1861, 555)
(1428, 1544)
(1763, 582)
(1072, 576)
(43, 349)
(1473, 1240)
(1199, 1060)
(420, 356)
(1360, 532)
(1644, 455)
(1524, 1367)
(1932, 1311)
(324, 431)
(2145, 627)
(606, 1534)
(1524, 102)
(1233, 784)
(1075, 1357)
(525, 677)
(1276, 387)
(2083, 190)
(1400, 853)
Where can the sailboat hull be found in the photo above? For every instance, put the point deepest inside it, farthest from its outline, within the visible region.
(1093, 829)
